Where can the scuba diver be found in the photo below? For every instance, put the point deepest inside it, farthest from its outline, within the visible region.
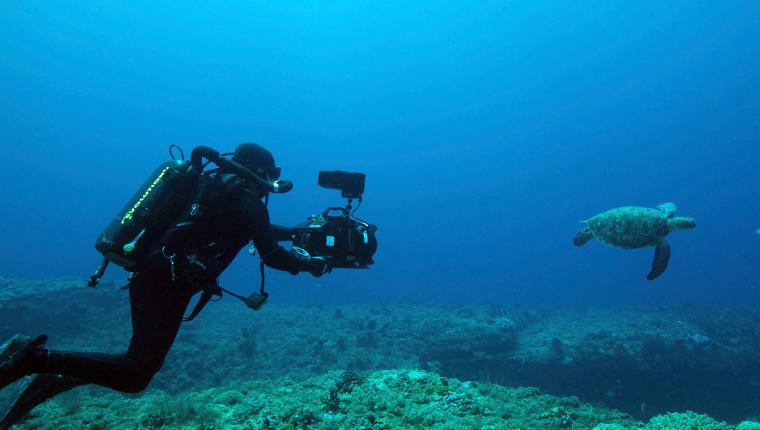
(188, 259)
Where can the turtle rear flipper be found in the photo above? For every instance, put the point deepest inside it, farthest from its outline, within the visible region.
(661, 259)
(583, 236)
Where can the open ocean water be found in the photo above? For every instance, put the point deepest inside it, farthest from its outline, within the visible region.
(489, 132)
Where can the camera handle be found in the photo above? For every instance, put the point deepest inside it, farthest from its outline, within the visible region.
(326, 212)
(346, 211)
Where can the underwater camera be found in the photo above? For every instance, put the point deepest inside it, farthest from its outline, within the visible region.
(336, 234)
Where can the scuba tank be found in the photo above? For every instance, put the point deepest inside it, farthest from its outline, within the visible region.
(147, 215)
(141, 223)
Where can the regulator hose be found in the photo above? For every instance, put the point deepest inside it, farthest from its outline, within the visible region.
(230, 166)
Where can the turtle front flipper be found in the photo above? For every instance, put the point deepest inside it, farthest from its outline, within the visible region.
(583, 236)
(661, 259)
(669, 209)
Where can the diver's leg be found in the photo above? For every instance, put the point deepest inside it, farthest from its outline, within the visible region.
(157, 311)
(282, 233)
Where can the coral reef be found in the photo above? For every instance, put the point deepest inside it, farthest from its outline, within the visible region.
(379, 400)
(644, 362)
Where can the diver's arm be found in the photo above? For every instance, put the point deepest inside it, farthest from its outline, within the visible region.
(282, 233)
(259, 229)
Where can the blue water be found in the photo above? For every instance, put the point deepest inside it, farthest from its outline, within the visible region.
(487, 130)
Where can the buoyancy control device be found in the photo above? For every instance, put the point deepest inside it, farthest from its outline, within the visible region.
(141, 223)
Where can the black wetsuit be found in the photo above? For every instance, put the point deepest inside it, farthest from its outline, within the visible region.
(203, 246)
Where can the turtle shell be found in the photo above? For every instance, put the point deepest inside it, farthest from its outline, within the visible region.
(630, 227)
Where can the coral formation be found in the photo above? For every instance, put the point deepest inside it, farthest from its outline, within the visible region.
(685, 421)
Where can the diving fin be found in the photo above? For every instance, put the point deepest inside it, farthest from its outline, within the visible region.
(15, 355)
(12, 345)
(30, 391)
(7, 407)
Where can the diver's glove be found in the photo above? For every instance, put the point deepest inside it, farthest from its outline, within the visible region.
(317, 266)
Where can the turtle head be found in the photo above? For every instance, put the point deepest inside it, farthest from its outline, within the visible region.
(681, 223)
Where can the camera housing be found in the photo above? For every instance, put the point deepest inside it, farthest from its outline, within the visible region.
(336, 234)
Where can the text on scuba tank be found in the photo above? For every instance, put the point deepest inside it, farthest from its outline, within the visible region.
(130, 213)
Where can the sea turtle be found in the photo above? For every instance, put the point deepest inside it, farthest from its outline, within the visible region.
(635, 227)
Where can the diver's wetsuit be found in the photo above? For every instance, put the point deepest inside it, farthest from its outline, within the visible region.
(203, 246)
